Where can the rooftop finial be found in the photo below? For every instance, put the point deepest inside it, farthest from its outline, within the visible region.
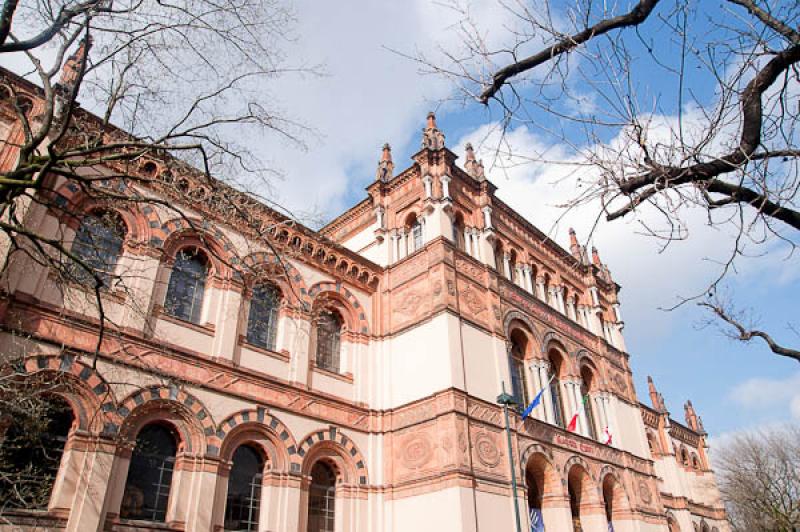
(432, 138)
(691, 416)
(473, 166)
(574, 247)
(385, 165)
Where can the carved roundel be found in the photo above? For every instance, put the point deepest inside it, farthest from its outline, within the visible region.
(487, 450)
(644, 492)
(417, 451)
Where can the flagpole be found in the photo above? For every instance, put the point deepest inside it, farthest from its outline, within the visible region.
(505, 400)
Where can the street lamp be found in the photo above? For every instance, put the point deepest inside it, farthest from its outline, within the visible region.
(506, 400)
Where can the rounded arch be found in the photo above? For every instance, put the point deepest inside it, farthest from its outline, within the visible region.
(523, 321)
(179, 233)
(325, 293)
(85, 390)
(335, 447)
(553, 351)
(581, 488)
(257, 425)
(139, 219)
(174, 406)
(615, 497)
(288, 278)
(540, 473)
(410, 219)
(652, 443)
(696, 463)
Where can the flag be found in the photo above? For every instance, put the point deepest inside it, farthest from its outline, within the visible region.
(537, 522)
(536, 400)
(607, 434)
(573, 423)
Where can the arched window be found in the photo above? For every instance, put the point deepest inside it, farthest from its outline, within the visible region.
(262, 320)
(244, 490)
(187, 284)
(696, 462)
(555, 389)
(329, 331)
(587, 380)
(516, 367)
(685, 457)
(512, 266)
(458, 232)
(150, 475)
(416, 234)
(322, 499)
(498, 259)
(30, 454)
(98, 243)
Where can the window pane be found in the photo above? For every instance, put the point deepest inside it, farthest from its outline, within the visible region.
(555, 395)
(30, 455)
(244, 490)
(519, 384)
(328, 341)
(322, 499)
(187, 284)
(262, 322)
(150, 475)
(98, 243)
(416, 231)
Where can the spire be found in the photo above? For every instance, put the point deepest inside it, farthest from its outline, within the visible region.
(432, 138)
(72, 66)
(596, 257)
(385, 165)
(691, 416)
(655, 398)
(574, 247)
(473, 166)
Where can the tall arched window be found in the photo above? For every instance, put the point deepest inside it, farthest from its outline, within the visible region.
(30, 454)
(322, 499)
(329, 331)
(150, 475)
(608, 501)
(516, 367)
(498, 259)
(98, 243)
(587, 380)
(187, 284)
(262, 320)
(555, 390)
(512, 267)
(244, 490)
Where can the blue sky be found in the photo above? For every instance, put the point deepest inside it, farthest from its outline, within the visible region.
(369, 95)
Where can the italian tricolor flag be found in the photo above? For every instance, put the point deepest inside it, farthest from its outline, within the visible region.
(573, 423)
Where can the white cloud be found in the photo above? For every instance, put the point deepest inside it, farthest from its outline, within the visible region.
(760, 393)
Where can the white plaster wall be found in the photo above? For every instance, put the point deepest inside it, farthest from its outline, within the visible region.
(496, 512)
(252, 359)
(485, 363)
(448, 510)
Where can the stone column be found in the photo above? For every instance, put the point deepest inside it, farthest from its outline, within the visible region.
(560, 299)
(571, 308)
(476, 247)
(428, 182)
(542, 295)
(403, 243)
(467, 241)
(547, 399)
(393, 246)
(526, 269)
(445, 179)
(506, 265)
(519, 279)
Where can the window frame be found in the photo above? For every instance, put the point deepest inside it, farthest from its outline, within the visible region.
(171, 302)
(332, 359)
(92, 247)
(258, 331)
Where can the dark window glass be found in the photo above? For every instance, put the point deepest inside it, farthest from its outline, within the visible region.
(322, 499)
(150, 475)
(262, 322)
(519, 384)
(244, 490)
(30, 454)
(329, 330)
(98, 243)
(555, 395)
(187, 283)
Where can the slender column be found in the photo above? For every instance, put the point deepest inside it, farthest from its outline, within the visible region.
(595, 297)
(404, 244)
(600, 410)
(445, 179)
(467, 242)
(507, 265)
(527, 275)
(393, 246)
(540, 288)
(428, 182)
(560, 299)
(519, 279)
(476, 243)
(487, 217)
(571, 308)
(547, 399)
(583, 416)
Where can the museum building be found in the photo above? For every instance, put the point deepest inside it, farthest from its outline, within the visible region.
(354, 386)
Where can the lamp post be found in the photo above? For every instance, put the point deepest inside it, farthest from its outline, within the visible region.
(505, 400)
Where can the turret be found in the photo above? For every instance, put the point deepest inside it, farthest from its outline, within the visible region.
(385, 170)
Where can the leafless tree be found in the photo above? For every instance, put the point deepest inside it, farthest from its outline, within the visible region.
(759, 475)
(127, 104)
(664, 109)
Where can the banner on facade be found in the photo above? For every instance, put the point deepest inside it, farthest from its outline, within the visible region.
(537, 522)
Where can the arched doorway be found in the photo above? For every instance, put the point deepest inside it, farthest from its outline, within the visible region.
(581, 500)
